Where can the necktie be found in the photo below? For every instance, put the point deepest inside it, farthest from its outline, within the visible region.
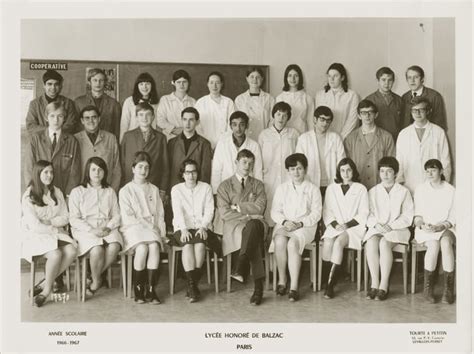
(242, 183)
(414, 94)
(53, 146)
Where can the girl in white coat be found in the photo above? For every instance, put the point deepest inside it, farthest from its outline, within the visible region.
(143, 228)
(256, 103)
(44, 219)
(302, 104)
(391, 213)
(435, 228)
(94, 216)
(342, 100)
(214, 110)
(144, 90)
(345, 212)
(296, 210)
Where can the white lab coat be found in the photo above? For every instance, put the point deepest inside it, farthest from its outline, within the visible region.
(308, 145)
(395, 209)
(214, 117)
(296, 203)
(343, 208)
(412, 154)
(168, 115)
(259, 110)
(129, 116)
(434, 206)
(344, 108)
(302, 109)
(276, 147)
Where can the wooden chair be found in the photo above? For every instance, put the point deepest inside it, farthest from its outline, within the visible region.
(33, 266)
(399, 248)
(415, 248)
(351, 259)
(311, 247)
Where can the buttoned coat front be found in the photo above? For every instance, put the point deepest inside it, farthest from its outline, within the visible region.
(105, 147)
(157, 149)
(252, 202)
(367, 157)
(259, 110)
(66, 159)
(302, 109)
(168, 114)
(390, 113)
(308, 145)
(199, 150)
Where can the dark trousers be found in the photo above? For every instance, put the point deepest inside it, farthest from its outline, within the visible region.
(251, 249)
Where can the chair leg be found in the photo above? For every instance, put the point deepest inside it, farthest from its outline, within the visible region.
(366, 273)
(320, 266)
(267, 271)
(359, 268)
(129, 275)
(275, 272)
(216, 273)
(208, 265)
(83, 274)
(228, 270)
(413, 269)
(32, 280)
(405, 272)
(77, 278)
(68, 280)
(172, 260)
(123, 265)
(313, 267)
(352, 260)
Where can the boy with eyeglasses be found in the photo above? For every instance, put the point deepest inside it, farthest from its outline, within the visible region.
(388, 103)
(368, 144)
(420, 142)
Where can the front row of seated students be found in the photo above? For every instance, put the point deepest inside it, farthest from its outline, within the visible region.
(102, 227)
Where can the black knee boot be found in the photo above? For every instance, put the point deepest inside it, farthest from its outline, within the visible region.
(332, 280)
(256, 298)
(448, 292)
(428, 286)
(197, 274)
(325, 269)
(191, 286)
(140, 283)
(151, 296)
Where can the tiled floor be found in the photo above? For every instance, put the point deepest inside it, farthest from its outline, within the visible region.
(109, 305)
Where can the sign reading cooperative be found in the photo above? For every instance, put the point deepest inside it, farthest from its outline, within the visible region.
(48, 66)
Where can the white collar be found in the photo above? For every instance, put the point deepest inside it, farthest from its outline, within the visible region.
(51, 132)
(418, 92)
(368, 132)
(239, 177)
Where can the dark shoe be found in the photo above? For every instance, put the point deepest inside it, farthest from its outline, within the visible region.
(237, 277)
(329, 292)
(256, 298)
(140, 283)
(381, 295)
(36, 290)
(281, 290)
(151, 296)
(58, 286)
(428, 287)
(90, 292)
(332, 280)
(40, 300)
(293, 295)
(191, 287)
(196, 274)
(371, 294)
(448, 292)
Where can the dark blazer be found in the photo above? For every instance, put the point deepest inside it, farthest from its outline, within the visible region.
(110, 112)
(36, 116)
(438, 110)
(199, 150)
(66, 159)
(156, 147)
(390, 115)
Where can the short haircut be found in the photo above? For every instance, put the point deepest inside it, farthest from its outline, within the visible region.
(190, 110)
(54, 106)
(183, 168)
(323, 111)
(255, 69)
(52, 75)
(282, 107)
(293, 159)
(435, 163)
(384, 70)
(137, 96)
(141, 156)
(94, 72)
(144, 106)
(367, 104)
(218, 74)
(98, 162)
(245, 154)
(389, 161)
(355, 173)
(418, 69)
(178, 74)
(89, 108)
(341, 70)
(286, 85)
(417, 100)
(237, 115)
